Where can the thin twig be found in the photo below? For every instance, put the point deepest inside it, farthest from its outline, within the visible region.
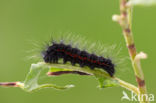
(125, 22)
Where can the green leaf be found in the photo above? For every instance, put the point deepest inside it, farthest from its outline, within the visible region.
(110, 83)
(31, 82)
(59, 69)
(142, 2)
(104, 78)
(106, 82)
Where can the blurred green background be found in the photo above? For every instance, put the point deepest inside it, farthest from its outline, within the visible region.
(22, 22)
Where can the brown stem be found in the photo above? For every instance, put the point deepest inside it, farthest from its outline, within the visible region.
(8, 84)
(125, 23)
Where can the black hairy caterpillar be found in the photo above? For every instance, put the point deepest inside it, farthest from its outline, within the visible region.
(66, 52)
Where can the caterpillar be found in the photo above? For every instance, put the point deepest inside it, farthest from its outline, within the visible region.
(59, 50)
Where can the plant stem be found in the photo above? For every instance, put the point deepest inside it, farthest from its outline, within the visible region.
(125, 23)
(128, 86)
